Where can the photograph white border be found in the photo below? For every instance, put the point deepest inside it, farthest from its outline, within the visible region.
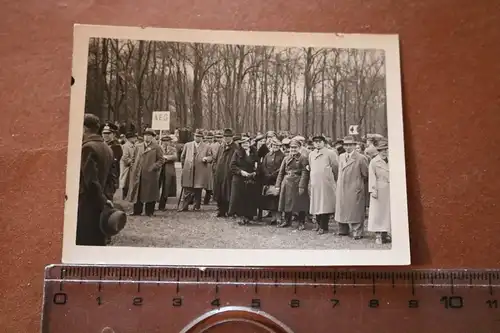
(399, 254)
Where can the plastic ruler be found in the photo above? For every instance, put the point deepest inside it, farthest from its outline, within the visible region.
(98, 299)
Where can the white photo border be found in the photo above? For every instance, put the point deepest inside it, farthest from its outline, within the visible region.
(399, 254)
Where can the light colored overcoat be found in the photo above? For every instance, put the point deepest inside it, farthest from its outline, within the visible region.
(195, 172)
(324, 167)
(145, 176)
(379, 215)
(351, 188)
(126, 163)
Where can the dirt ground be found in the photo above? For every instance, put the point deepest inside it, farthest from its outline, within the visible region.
(203, 230)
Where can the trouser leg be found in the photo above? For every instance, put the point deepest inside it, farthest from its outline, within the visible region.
(197, 198)
(208, 196)
(343, 229)
(323, 221)
(138, 208)
(301, 218)
(162, 203)
(357, 229)
(188, 196)
(150, 208)
(287, 221)
(124, 192)
(222, 207)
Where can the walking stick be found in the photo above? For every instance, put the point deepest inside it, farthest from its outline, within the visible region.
(180, 198)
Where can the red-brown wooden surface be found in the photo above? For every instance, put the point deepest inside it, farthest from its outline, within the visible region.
(451, 91)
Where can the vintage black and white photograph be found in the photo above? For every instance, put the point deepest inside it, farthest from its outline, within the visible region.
(193, 147)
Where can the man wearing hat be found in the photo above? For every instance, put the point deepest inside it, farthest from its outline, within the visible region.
(223, 176)
(195, 160)
(339, 146)
(108, 134)
(324, 167)
(219, 137)
(268, 173)
(350, 210)
(379, 216)
(292, 183)
(95, 174)
(371, 142)
(214, 145)
(145, 176)
(126, 162)
(168, 177)
(285, 146)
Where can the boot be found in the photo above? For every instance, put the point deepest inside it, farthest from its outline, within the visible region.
(286, 222)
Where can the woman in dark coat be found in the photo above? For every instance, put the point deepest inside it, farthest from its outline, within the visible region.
(268, 173)
(244, 189)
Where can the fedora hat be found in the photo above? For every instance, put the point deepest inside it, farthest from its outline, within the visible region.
(276, 142)
(319, 138)
(295, 143)
(349, 140)
(382, 145)
(112, 221)
(198, 133)
(106, 130)
(299, 138)
(149, 131)
(166, 138)
(228, 132)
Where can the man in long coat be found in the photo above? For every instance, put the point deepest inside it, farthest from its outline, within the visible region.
(268, 173)
(168, 176)
(95, 173)
(351, 191)
(108, 134)
(126, 162)
(324, 167)
(379, 217)
(214, 145)
(292, 184)
(195, 160)
(223, 175)
(144, 190)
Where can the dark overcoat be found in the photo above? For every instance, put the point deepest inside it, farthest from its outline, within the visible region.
(268, 174)
(111, 188)
(145, 174)
(95, 175)
(244, 190)
(293, 176)
(168, 175)
(223, 176)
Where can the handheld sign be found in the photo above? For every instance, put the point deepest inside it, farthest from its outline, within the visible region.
(161, 120)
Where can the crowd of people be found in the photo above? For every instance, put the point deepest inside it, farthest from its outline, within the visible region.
(277, 176)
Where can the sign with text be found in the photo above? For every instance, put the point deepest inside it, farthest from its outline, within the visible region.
(161, 120)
